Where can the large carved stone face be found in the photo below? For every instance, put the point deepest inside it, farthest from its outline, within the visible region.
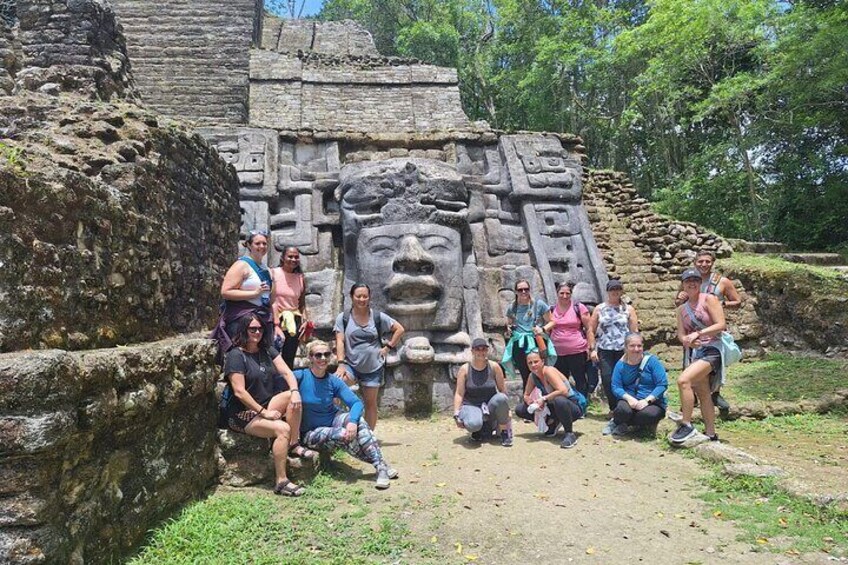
(401, 222)
(415, 273)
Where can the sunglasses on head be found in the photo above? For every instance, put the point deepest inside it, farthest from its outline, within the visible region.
(259, 232)
(255, 329)
(322, 355)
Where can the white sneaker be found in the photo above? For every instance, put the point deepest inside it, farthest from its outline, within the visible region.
(608, 428)
(383, 481)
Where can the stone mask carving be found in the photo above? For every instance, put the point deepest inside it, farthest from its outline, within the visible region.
(402, 224)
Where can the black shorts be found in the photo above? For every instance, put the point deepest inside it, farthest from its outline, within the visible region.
(712, 356)
(239, 419)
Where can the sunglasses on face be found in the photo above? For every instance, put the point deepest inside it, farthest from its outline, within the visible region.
(522, 290)
(322, 355)
(254, 329)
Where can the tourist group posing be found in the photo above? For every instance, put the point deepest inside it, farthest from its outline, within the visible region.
(560, 352)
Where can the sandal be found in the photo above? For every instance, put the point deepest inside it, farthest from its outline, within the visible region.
(288, 488)
(303, 452)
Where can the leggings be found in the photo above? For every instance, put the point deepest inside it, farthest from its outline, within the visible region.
(608, 358)
(575, 367)
(289, 349)
(364, 446)
(519, 361)
(563, 409)
(648, 416)
(472, 416)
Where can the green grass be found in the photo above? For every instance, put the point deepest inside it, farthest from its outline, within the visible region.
(772, 519)
(780, 377)
(774, 266)
(332, 523)
(821, 427)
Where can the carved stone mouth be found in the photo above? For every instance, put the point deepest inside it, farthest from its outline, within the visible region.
(412, 295)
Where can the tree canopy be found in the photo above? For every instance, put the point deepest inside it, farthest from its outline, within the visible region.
(730, 113)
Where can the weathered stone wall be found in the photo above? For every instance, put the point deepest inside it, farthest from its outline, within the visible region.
(329, 93)
(190, 57)
(72, 46)
(114, 227)
(648, 252)
(98, 446)
(10, 46)
(335, 38)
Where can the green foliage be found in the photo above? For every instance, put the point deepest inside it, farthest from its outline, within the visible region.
(12, 158)
(730, 113)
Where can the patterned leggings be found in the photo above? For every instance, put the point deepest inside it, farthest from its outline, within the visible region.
(364, 446)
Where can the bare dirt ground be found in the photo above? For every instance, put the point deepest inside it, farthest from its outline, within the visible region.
(605, 501)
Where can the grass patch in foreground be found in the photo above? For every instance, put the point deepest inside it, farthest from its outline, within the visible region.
(332, 523)
(773, 520)
(780, 376)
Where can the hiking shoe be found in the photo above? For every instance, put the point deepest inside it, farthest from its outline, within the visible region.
(683, 432)
(608, 428)
(569, 441)
(506, 438)
(713, 437)
(476, 436)
(383, 480)
(553, 426)
(621, 430)
(392, 473)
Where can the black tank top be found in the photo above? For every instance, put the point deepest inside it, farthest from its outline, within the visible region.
(479, 385)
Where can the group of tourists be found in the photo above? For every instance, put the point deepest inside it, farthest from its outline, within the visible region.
(559, 351)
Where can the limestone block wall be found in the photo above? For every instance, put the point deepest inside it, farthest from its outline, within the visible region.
(648, 252)
(327, 93)
(96, 447)
(190, 57)
(72, 45)
(115, 227)
(336, 38)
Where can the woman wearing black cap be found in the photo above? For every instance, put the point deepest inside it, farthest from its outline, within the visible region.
(699, 322)
(611, 322)
(480, 399)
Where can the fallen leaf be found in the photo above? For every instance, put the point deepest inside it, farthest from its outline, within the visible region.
(542, 495)
(471, 557)
(434, 539)
(680, 516)
(440, 485)
(793, 552)
(717, 513)
(783, 523)
(665, 533)
(762, 541)
(590, 550)
(828, 539)
(660, 515)
(458, 547)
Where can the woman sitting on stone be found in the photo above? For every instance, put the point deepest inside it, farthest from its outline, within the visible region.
(525, 318)
(289, 303)
(325, 425)
(611, 321)
(639, 382)
(360, 349)
(266, 402)
(480, 401)
(246, 289)
(571, 333)
(700, 319)
(564, 403)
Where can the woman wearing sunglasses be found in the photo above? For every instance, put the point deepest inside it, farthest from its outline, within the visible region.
(325, 425)
(525, 318)
(246, 290)
(266, 401)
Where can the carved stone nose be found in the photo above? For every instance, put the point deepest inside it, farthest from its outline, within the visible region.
(412, 259)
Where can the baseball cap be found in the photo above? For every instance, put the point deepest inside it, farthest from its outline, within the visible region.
(690, 274)
(479, 342)
(614, 284)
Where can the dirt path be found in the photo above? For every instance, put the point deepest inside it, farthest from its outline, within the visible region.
(605, 501)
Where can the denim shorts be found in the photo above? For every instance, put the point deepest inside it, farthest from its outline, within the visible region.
(370, 380)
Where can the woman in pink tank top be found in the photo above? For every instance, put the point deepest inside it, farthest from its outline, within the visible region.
(699, 322)
(289, 303)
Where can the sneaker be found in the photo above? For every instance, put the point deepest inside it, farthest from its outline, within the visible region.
(621, 430)
(674, 416)
(476, 436)
(506, 438)
(683, 432)
(553, 426)
(569, 441)
(608, 428)
(392, 472)
(713, 437)
(383, 480)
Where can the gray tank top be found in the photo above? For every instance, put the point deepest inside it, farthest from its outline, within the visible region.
(479, 386)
